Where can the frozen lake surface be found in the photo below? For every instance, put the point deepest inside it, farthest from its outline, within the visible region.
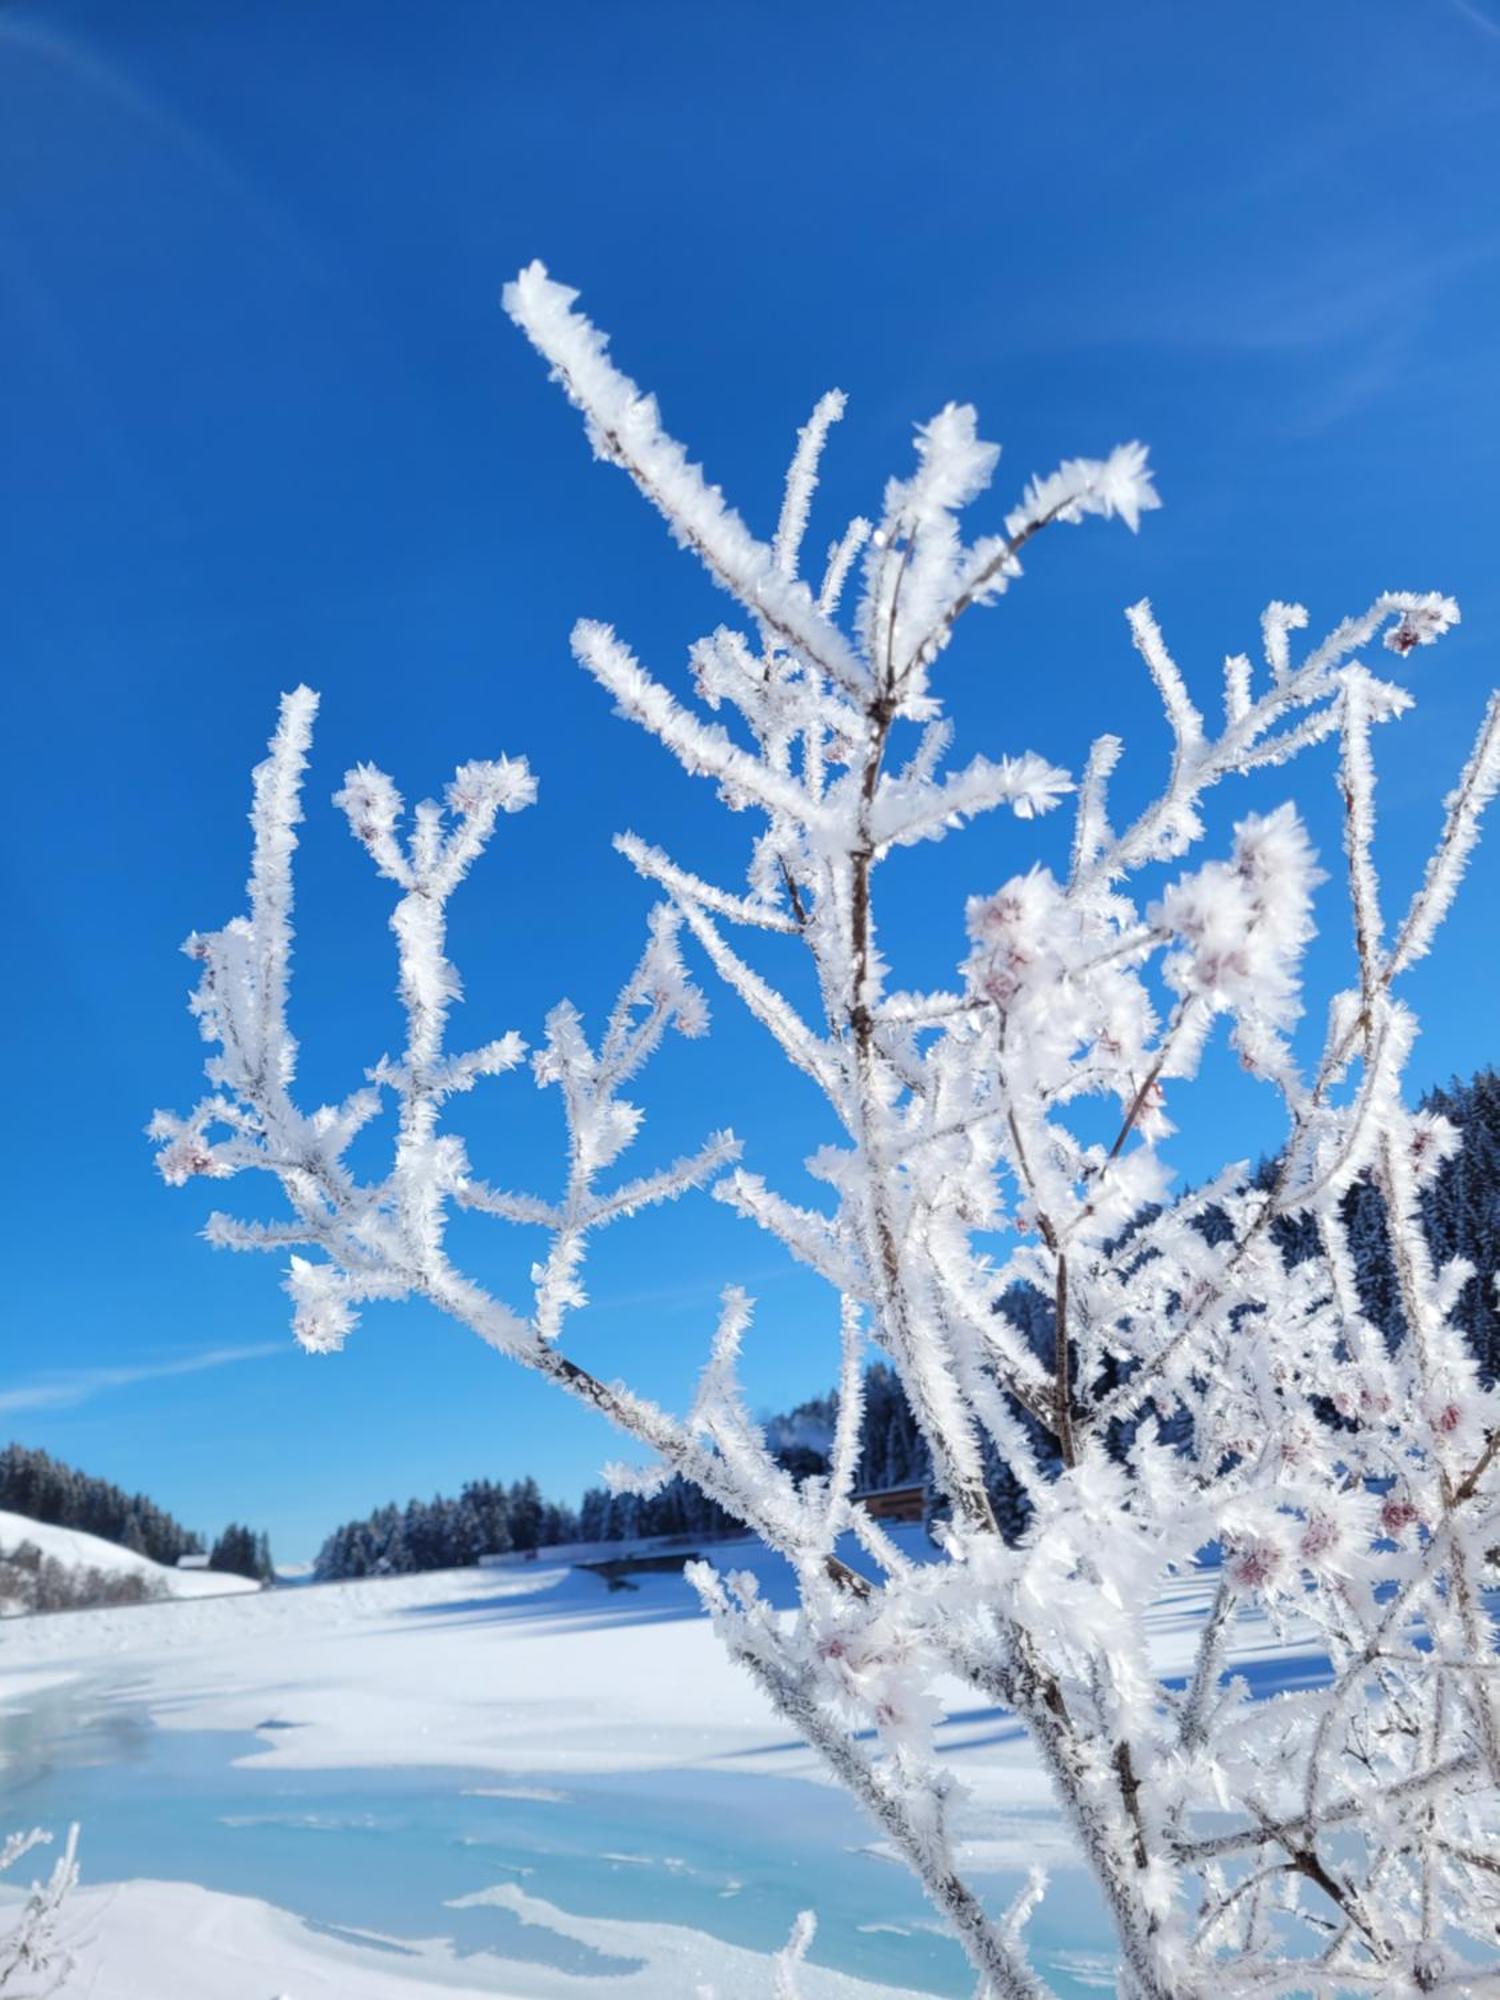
(387, 1853)
(494, 1783)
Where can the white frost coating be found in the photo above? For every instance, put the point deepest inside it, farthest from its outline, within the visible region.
(1465, 807)
(36, 1954)
(802, 480)
(624, 427)
(785, 1985)
(1186, 722)
(1175, 1384)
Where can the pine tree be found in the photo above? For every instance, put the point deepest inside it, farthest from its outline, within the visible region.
(239, 1551)
(525, 1514)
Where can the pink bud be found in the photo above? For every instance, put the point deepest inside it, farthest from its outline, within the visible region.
(1396, 1516)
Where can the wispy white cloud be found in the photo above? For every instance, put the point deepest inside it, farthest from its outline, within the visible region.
(1325, 296)
(702, 1291)
(1478, 18)
(64, 1389)
(107, 82)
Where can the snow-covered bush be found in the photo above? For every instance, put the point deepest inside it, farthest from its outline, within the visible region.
(34, 1956)
(1201, 1388)
(33, 1581)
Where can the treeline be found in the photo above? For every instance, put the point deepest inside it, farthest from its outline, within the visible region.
(490, 1519)
(1461, 1217)
(487, 1518)
(1461, 1213)
(44, 1489)
(892, 1453)
(1462, 1209)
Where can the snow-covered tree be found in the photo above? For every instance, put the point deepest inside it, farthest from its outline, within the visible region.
(1461, 1206)
(242, 1552)
(1203, 1391)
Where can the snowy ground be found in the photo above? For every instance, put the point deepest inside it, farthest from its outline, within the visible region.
(461, 1718)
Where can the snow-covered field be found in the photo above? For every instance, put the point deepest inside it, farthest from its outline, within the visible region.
(76, 1550)
(499, 1782)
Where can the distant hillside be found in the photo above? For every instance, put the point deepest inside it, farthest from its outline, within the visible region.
(46, 1568)
(42, 1488)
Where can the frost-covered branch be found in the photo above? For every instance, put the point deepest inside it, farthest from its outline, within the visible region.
(624, 427)
(1182, 1379)
(35, 1958)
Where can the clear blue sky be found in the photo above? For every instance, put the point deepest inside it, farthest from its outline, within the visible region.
(263, 421)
